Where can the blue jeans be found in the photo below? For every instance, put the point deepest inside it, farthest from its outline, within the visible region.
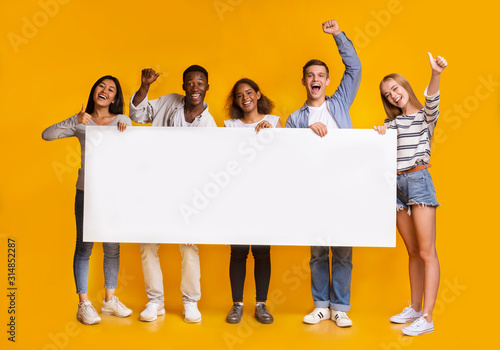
(83, 251)
(335, 294)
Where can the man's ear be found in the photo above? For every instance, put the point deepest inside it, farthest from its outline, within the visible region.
(183, 87)
(303, 82)
(327, 81)
(207, 87)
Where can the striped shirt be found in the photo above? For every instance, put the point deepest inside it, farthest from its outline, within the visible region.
(414, 133)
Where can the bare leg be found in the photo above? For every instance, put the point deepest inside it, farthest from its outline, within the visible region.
(109, 293)
(83, 297)
(424, 219)
(416, 265)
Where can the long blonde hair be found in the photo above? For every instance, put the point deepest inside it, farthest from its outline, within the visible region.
(391, 110)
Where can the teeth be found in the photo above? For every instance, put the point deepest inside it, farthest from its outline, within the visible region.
(398, 99)
(246, 103)
(195, 95)
(102, 96)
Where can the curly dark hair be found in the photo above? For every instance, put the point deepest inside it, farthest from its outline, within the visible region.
(264, 104)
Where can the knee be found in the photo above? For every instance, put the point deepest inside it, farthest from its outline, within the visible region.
(239, 252)
(319, 253)
(428, 255)
(84, 249)
(261, 253)
(188, 251)
(149, 250)
(413, 252)
(111, 250)
(343, 254)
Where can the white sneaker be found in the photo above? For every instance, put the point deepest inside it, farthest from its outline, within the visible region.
(115, 307)
(152, 311)
(86, 313)
(191, 312)
(341, 318)
(319, 314)
(418, 327)
(408, 315)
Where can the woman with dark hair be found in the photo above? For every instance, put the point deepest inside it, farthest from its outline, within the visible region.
(248, 107)
(416, 197)
(104, 107)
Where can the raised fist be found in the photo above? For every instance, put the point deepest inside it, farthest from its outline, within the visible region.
(148, 76)
(331, 27)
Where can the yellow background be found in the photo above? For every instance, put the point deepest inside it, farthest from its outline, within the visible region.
(46, 74)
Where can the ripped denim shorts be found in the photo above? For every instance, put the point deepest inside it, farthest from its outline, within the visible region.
(415, 188)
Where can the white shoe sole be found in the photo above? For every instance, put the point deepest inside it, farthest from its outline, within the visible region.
(315, 322)
(87, 323)
(197, 320)
(414, 333)
(343, 325)
(112, 313)
(403, 320)
(159, 313)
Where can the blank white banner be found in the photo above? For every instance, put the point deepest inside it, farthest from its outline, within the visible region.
(231, 186)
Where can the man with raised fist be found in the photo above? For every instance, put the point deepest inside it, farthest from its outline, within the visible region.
(177, 111)
(321, 113)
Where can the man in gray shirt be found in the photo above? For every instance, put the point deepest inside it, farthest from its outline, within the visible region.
(176, 111)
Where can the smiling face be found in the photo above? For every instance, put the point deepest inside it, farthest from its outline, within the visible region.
(195, 85)
(395, 94)
(104, 93)
(246, 97)
(315, 80)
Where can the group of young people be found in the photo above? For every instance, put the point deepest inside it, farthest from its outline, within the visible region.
(247, 106)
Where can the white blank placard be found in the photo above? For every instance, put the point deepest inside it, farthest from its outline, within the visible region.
(231, 186)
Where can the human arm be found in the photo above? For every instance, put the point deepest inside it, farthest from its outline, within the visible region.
(438, 64)
(351, 78)
(143, 110)
(148, 76)
(432, 98)
(67, 127)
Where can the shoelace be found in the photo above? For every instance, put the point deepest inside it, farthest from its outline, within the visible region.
(190, 306)
(237, 307)
(341, 314)
(88, 310)
(317, 311)
(419, 321)
(151, 306)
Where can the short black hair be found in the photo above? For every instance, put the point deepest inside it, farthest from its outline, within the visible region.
(114, 108)
(194, 68)
(315, 63)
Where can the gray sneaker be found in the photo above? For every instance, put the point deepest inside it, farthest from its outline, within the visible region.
(86, 313)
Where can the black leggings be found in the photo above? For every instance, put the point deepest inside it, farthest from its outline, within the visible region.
(238, 269)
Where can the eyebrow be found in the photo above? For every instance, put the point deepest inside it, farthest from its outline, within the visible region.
(385, 94)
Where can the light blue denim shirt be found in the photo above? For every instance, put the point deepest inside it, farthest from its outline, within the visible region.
(339, 103)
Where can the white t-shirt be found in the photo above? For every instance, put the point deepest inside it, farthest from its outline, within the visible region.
(237, 123)
(322, 115)
(180, 120)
